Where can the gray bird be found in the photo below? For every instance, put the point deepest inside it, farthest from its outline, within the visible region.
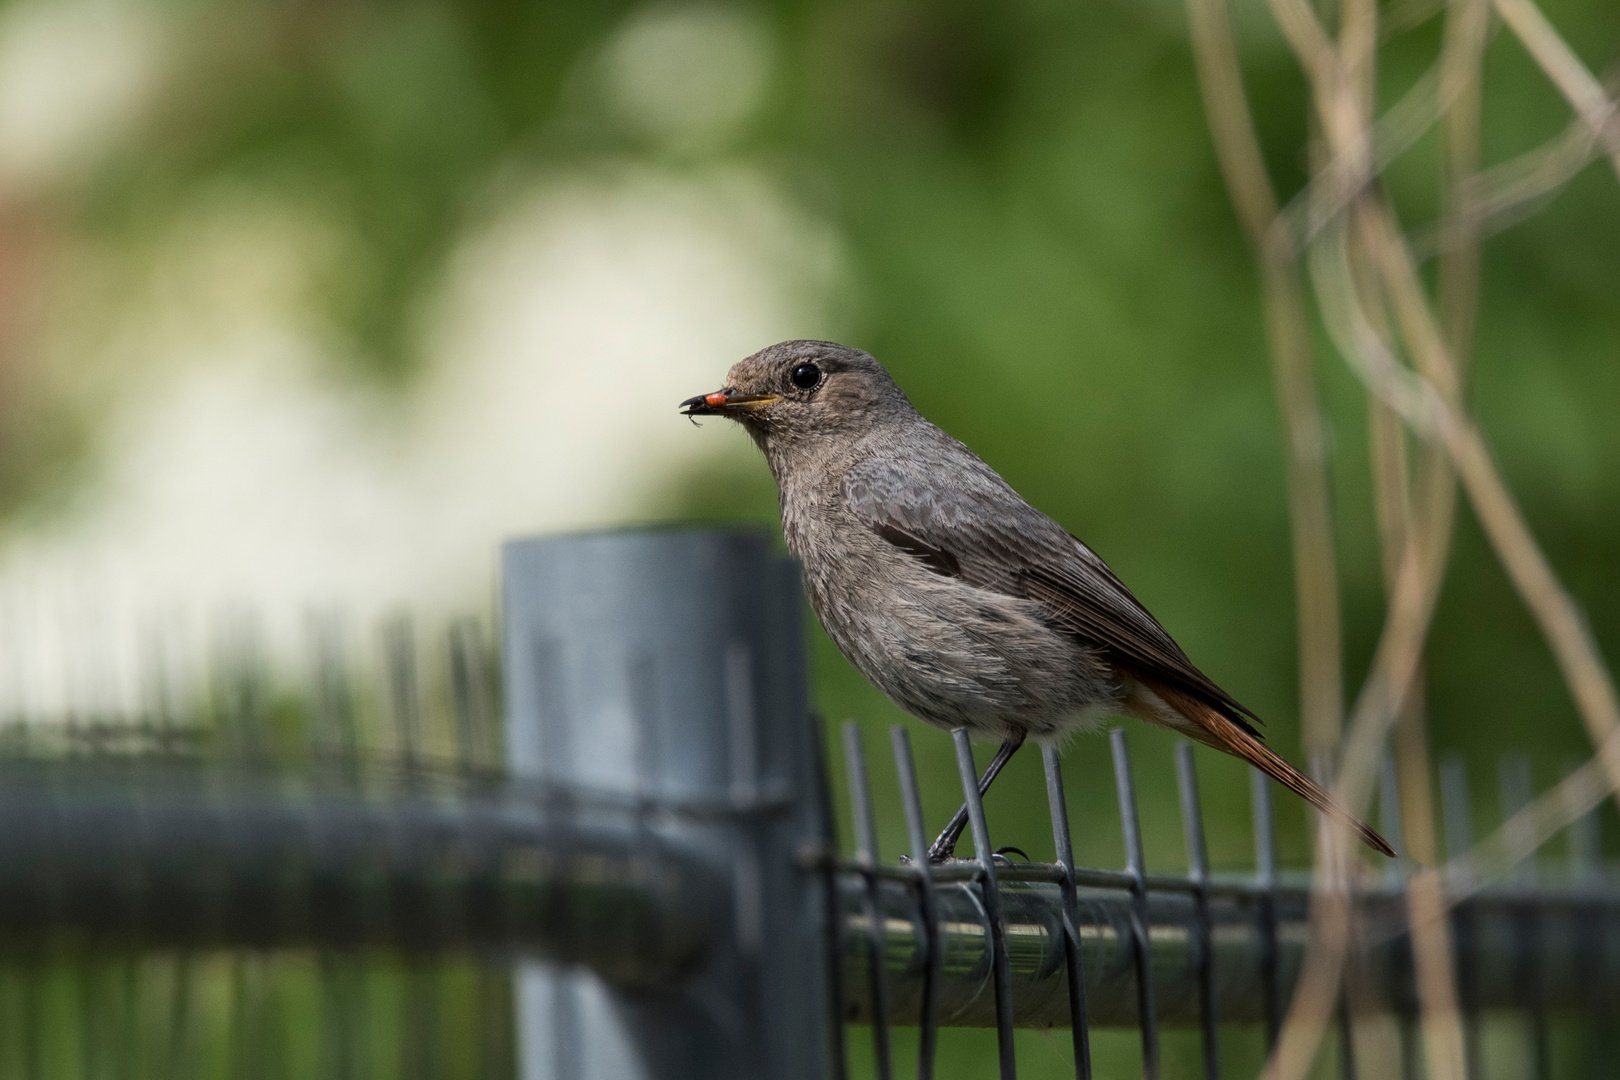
(964, 604)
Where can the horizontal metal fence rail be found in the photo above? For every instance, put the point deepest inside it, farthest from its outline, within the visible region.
(992, 943)
(167, 856)
(1563, 925)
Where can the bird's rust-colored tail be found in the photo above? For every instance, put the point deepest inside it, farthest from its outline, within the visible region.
(1213, 728)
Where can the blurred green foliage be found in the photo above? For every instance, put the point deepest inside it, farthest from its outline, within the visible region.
(93, 1013)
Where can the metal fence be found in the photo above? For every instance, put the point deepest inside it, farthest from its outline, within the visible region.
(992, 942)
(628, 869)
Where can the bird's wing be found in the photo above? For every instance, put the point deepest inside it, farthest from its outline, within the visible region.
(959, 518)
(952, 513)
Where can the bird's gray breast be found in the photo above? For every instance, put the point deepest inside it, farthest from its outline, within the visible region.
(952, 653)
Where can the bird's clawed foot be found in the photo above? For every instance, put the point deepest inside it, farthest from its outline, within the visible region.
(944, 848)
(948, 855)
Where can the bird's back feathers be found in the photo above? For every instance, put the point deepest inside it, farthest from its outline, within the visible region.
(940, 504)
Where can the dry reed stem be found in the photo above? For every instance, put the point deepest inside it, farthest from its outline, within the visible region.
(1344, 106)
(1394, 670)
(1309, 40)
(1322, 974)
(1517, 838)
(1358, 60)
(1564, 68)
(1403, 15)
(1238, 152)
(1393, 673)
(1554, 610)
(1486, 202)
(1380, 140)
(1431, 406)
(1332, 188)
(1461, 61)
(1430, 415)
(1330, 930)
(1395, 667)
(1434, 970)
(1398, 524)
(1315, 559)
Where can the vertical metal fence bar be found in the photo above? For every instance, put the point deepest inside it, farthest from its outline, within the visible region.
(1347, 1039)
(831, 913)
(1192, 828)
(1135, 866)
(860, 803)
(744, 764)
(404, 702)
(334, 720)
(917, 835)
(1585, 842)
(1079, 1024)
(1591, 941)
(1459, 831)
(1513, 777)
(1349, 986)
(1000, 971)
(1513, 791)
(1265, 881)
(469, 693)
(1389, 819)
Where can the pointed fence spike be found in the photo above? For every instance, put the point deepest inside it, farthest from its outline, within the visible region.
(1265, 883)
(1000, 969)
(832, 915)
(404, 699)
(1455, 815)
(860, 800)
(917, 835)
(1192, 827)
(1140, 942)
(1079, 1021)
(1389, 819)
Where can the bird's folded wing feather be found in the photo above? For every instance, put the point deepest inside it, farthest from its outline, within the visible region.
(960, 519)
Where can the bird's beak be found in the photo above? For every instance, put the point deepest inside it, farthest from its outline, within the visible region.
(725, 401)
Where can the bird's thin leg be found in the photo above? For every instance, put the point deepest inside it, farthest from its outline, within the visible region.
(945, 846)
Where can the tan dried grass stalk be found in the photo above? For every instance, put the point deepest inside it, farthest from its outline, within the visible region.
(1315, 560)
(1360, 261)
(1517, 838)
(1566, 71)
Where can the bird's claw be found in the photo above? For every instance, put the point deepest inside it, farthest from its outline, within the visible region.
(939, 858)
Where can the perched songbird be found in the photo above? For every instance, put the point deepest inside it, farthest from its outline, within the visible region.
(964, 604)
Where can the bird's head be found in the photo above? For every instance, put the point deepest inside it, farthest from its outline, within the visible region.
(802, 391)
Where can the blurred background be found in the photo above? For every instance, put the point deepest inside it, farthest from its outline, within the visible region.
(304, 307)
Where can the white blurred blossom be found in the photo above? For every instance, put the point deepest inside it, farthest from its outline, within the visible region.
(244, 475)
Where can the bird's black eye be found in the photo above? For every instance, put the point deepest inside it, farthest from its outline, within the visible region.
(806, 376)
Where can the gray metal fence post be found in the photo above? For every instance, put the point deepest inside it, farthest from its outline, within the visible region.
(664, 671)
